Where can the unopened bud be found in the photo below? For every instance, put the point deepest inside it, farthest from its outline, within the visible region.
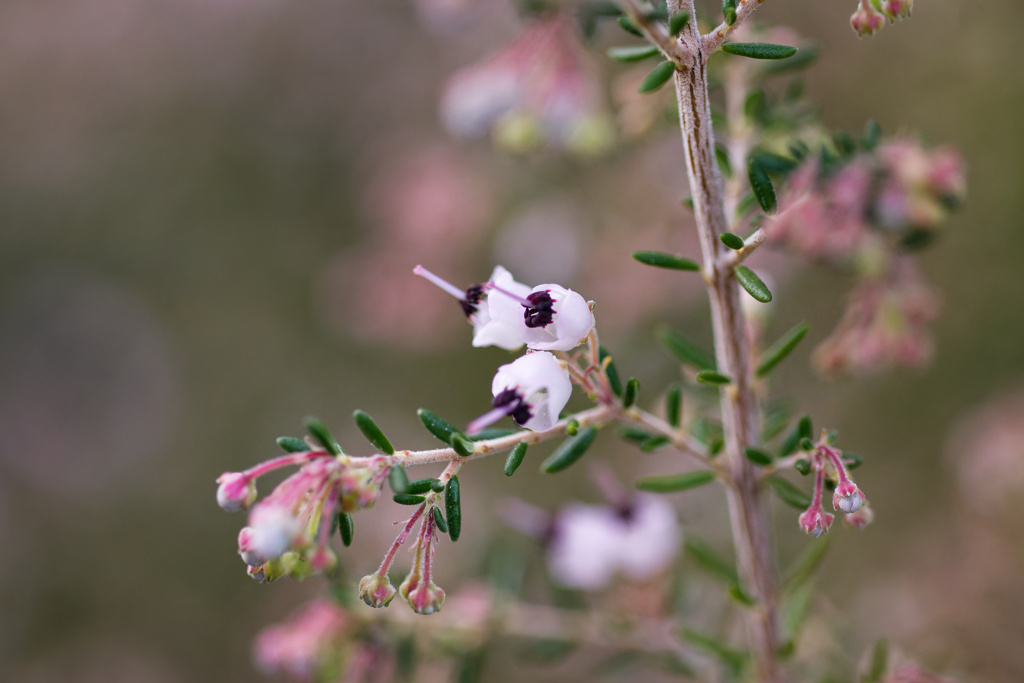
(423, 596)
(861, 518)
(815, 521)
(235, 491)
(847, 498)
(897, 9)
(866, 21)
(376, 590)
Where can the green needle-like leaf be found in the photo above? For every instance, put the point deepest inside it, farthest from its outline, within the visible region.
(632, 53)
(754, 285)
(676, 482)
(759, 50)
(569, 451)
(778, 351)
(515, 459)
(663, 260)
(372, 432)
(658, 77)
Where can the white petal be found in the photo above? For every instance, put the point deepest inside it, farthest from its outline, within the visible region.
(496, 322)
(583, 552)
(570, 324)
(652, 537)
(542, 380)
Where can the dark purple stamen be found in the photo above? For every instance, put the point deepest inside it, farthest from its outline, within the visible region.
(541, 310)
(474, 295)
(516, 405)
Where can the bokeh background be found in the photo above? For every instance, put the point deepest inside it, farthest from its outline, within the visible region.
(208, 216)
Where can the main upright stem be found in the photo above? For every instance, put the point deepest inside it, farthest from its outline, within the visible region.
(740, 416)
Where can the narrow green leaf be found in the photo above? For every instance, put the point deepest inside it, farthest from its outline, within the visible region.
(711, 561)
(569, 451)
(462, 445)
(722, 157)
(757, 456)
(662, 260)
(803, 567)
(453, 508)
(292, 444)
(439, 522)
(676, 482)
(733, 659)
(716, 446)
(398, 480)
(753, 284)
(732, 241)
(789, 494)
(729, 12)
(322, 435)
(408, 499)
(772, 162)
(712, 377)
(802, 466)
(629, 27)
(872, 135)
(637, 436)
(879, 662)
(806, 445)
(852, 460)
(436, 426)
(346, 528)
(674, 404)
(754, 104)
(678, 22)
(761, 184)
(683, 349)
(658, 77)
(759, 50)
(740, 597)
(805, 427)
(421, 485)
(804, 58)
(632, 53)
(611, 371)
(515, 459)
(781, 348)
(629, 395)
(654, 443)
(372, 432)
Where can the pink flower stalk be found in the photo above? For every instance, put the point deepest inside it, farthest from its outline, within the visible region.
(418, 588)
(540, 89)
(300, 646)
(289, 530)
(376, 589)
(848, 498)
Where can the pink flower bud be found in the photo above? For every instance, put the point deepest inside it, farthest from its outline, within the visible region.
(236, 491)
(815, 521)
(376, 590)
(861, 518)
(866, 21)
(847, 497)
(423, 596)
(897, 9)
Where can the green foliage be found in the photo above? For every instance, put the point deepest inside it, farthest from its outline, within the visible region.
(676, 482)
(569, 451)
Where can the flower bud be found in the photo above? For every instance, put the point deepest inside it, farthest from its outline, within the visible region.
(376, 590)
(235, 491)
(847, 498)
(423, 596)
(897, 9)
(815, 521)
(866, 21)
(861, 518)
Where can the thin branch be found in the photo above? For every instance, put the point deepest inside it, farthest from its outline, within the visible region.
(734, 258)
(714, 40)
(656, 32)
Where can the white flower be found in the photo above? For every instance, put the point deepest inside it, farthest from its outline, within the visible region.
(532, 389)
(494, 308)
(497, 316)
(591, 543)
(271, 532)
(555, 319)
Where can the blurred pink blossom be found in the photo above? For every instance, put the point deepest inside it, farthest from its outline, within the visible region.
(299, 646)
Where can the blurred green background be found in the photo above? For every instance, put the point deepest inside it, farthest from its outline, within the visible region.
(209, 211)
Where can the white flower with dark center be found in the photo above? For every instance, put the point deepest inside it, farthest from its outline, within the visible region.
(532, 390)
(555, 319)
(493, 307)
(272, 531)
(591, 543)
